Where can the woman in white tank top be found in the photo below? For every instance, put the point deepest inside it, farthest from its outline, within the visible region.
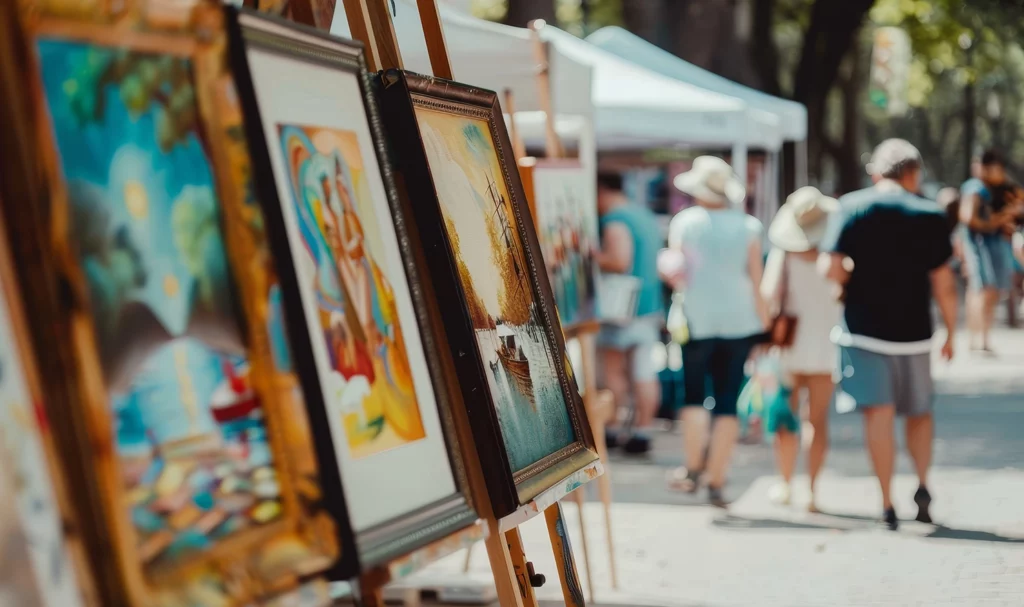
(792, 281)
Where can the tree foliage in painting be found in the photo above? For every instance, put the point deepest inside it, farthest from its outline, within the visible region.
(141, 81)
(514, 297)
(477, 310)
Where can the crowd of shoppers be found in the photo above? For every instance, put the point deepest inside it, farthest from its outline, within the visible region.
(844, 303)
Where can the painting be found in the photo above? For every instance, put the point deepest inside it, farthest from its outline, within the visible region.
(370, 373)
(566, 218)
(192, 445)
(495, 276)
(363, 346)
(35, 567)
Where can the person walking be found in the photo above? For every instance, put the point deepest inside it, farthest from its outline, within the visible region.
(630, 241)
(988, 256)
(721, 265)
(799, 293)
(890, 251)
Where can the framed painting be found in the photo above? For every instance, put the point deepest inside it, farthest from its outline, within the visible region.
(363, 342)
(188, 444)
(459, 182)
(40, 564)
(565, 213)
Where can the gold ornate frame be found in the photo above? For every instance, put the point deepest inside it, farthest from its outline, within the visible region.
(251, 564)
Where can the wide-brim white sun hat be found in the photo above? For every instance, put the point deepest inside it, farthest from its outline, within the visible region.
(712, 180)
(801, 223)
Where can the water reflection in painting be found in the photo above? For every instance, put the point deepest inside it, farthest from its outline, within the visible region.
(191, 441)
(496, 280)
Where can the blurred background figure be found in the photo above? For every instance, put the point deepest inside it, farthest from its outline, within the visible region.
(987, 252)
(795, 289)
(725, 315)
(889, 250)
(630, 241)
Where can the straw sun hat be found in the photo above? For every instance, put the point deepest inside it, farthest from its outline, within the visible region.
(800, 224)
(711, 180)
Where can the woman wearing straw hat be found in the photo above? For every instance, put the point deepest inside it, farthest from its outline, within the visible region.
(799, 293)
(720, 249)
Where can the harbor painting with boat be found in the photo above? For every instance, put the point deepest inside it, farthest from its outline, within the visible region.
(497, 282)
(191, 448)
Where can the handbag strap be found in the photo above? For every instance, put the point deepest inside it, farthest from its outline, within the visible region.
(784, 284)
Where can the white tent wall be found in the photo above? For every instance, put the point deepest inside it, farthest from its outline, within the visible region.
(488, 55)
(629, 46)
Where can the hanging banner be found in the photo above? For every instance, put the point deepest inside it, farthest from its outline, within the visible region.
(890, 68)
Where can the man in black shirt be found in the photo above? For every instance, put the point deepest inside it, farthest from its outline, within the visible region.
(889, 250)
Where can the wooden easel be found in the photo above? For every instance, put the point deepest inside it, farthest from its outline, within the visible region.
(600, 405)
(514, 578)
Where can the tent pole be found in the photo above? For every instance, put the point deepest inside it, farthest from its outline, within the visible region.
(739, 161)
(800, 163)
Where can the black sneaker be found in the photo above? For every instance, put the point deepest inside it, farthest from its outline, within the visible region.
(716, 498)
(611, 438)
(637, 445)
(889, 519)
(923, 499)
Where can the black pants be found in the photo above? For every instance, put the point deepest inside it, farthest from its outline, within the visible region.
(721, 359)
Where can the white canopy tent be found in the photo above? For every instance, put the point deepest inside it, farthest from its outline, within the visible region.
(630, 107)
(488, 55)
(638, 108)
(792, 115)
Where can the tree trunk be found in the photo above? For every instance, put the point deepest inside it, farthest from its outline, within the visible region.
(521, 12)
(646, 18)
(828, 39)
(764, 56)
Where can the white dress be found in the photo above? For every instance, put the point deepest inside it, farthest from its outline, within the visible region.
(810, 298)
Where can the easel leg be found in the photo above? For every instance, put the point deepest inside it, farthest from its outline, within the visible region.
(503, 570)
(371, 591)
(578, 497)
(604, 482)
(572, 593)
(517, 556)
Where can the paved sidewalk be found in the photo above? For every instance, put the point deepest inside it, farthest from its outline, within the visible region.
(673, 550)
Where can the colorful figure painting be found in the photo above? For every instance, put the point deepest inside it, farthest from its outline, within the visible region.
(370, 381)
(492, 269)
(35, 568)
(191, 441)
(568, 235)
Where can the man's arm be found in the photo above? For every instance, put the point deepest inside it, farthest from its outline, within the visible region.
(970, 204)
(944, 292)
(616, 254)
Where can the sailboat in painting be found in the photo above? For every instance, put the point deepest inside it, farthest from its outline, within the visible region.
(509, 352)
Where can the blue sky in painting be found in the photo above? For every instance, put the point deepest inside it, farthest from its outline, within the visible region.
(109, 153)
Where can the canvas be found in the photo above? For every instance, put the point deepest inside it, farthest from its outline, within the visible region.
(363, 344)
(494, 274)
(370, 371)
(35, 565)
(566, 218)
(191, 434)
(180, 422)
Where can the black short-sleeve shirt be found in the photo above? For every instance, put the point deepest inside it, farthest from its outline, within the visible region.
(895, 240)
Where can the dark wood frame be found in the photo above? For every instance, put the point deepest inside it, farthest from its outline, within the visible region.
(424, 525)
(400, 93)
(61, 326)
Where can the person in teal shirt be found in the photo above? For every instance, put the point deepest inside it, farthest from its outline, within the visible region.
(630, 242)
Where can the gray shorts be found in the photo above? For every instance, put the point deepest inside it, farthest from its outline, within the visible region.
(869, 379)
(640, 336)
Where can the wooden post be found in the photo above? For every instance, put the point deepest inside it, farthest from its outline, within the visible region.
(517, 557)
(572, 593)
(518, 147)
(379, 12)
(578, 498)
(433, 34)
(553, 148)
(362, 29)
